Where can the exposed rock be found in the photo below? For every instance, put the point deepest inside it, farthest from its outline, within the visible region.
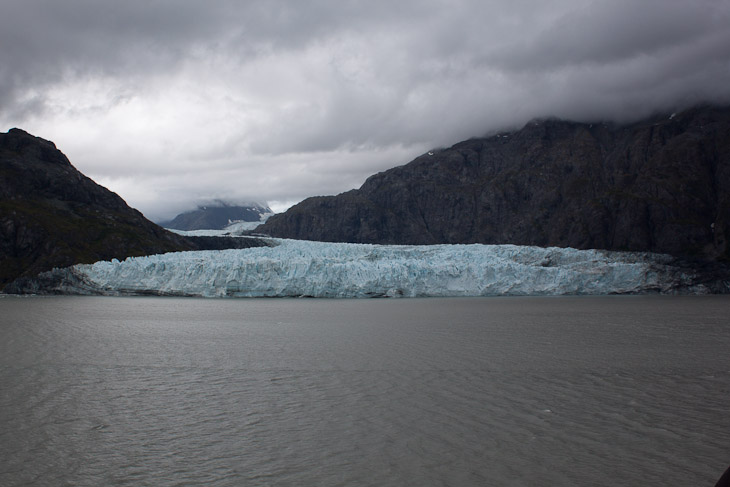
(51, 215)
(661, 185)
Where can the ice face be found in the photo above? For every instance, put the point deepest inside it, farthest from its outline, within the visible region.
(336, 270)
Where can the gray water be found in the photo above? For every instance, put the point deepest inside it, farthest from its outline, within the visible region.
(582, 391)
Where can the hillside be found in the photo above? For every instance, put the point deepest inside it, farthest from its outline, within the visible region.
(659, 185)
(51, 215)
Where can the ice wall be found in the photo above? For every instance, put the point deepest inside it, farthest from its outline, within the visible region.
(300, 268)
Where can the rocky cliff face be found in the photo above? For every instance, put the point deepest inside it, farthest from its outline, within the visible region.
(51, 215)
(661, 185)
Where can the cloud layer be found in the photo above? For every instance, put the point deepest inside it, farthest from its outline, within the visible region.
(173, 103)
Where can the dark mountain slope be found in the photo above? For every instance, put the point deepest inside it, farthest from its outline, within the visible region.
(51, 215)
(660, 185)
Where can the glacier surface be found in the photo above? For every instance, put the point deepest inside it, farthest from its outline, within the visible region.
(292, 268)
(236, 228)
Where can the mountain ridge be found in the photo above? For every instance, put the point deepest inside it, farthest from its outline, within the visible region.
(660, 185)
(51, 215)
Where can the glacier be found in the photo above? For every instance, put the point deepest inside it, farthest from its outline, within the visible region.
(233, 229)
(294, 268)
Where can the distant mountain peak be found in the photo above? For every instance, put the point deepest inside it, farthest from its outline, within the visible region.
(217, 215)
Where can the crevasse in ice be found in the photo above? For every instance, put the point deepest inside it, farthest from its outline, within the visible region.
(302, 268)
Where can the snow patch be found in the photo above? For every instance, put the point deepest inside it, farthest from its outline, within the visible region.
(235, 228)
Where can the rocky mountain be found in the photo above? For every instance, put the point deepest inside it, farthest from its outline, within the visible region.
(51, 215)
(659, 185)
(217, 216)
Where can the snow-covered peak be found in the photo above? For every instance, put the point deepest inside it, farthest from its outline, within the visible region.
(234, 228)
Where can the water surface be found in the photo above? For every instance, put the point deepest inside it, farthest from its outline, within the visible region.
(569, 391)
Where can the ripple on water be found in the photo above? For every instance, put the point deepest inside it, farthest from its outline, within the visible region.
(298, 398)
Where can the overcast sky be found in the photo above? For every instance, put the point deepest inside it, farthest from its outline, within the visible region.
(172, 103)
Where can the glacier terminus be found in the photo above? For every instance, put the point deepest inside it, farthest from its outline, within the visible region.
(297, 268)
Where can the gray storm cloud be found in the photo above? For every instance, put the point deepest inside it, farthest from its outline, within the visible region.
(174, 102)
